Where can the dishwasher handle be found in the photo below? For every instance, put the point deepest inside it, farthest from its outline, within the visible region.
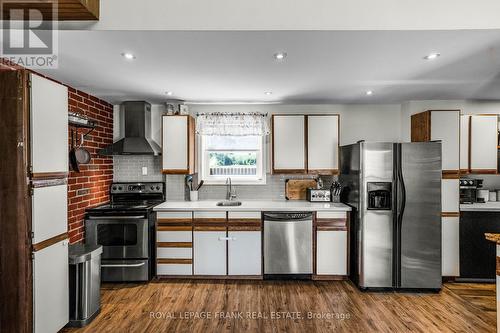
(288, 216)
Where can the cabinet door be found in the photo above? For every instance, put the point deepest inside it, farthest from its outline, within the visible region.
(331, 252)
(50, 212)
(51, 288)
(483, 143)
(322, 143)
(177, 144)
(49, 126)
(244, 253)
(450, 195)
(451, 248)
(210, 252)
(464, 143)
(289, 151)
(445, 126)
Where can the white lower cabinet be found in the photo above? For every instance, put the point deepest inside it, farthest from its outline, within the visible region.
(209, 249)
(244, 253)
(51, 288)
(450, 244)
(331, 252)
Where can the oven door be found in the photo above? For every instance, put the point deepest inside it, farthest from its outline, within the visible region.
(121, 237)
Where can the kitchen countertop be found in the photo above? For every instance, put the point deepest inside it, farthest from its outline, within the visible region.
(490, 206)
(253, 205)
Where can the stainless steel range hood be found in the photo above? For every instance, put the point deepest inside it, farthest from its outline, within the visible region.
(137, 129)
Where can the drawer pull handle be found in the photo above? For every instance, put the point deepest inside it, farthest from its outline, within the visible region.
(227, 238)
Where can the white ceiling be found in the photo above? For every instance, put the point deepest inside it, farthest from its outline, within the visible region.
(321, 67)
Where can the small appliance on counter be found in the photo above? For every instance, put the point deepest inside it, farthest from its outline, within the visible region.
(318, 195)
(469, 191)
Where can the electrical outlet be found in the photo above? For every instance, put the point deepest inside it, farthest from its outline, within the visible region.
(144, 171)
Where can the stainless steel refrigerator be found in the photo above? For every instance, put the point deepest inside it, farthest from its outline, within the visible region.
(395, 192)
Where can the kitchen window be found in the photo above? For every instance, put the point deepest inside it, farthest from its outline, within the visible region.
(235, 156)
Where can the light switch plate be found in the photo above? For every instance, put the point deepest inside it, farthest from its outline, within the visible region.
(144, 171)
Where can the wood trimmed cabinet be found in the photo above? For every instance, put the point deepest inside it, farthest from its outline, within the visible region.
(212, 243)
(332, 245)
(305, 144)
(178, 144)
(445, 125)
(220, 244)
(483, 144)
(34, 285)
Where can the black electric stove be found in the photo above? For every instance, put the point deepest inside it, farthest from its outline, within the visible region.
(125, 229)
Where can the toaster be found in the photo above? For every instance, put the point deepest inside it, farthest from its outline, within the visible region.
(315, 195)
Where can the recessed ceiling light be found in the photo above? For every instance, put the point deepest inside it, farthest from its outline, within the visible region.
(128, 56)
(280, 55)
(268, 93)
(169, 93)
(432, 56)
(369, 93)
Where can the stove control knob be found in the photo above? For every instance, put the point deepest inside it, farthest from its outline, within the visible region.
(114, 188)
(119, 188)
(157, 188)
(152, 188)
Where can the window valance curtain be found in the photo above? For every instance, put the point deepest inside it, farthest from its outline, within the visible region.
(232, 124)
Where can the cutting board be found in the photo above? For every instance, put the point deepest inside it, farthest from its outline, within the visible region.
(295, 189)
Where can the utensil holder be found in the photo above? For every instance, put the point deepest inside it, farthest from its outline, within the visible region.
(193, 195)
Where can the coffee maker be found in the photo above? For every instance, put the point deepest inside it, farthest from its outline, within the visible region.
(468, 191)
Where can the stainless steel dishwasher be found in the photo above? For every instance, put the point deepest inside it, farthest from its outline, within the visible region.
(288, 244)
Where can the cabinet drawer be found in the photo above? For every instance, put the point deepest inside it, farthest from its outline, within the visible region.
(331, 215)
(174, 215)
(209, 215)
(174, 252)
(244, 215)
(174, 236)
(174, 269)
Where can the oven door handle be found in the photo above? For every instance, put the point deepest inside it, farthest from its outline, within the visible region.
(136, 217)
(123, 265)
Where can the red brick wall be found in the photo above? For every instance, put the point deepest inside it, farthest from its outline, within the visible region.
(90, 186)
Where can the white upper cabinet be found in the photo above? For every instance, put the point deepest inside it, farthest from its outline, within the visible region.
(178, 144)
(50, 212)
(49, 125)
(464, 142)
(288, 136)
(445, 126)
(483, 143)
(323, 143)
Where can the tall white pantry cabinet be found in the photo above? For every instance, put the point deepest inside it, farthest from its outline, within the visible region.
(444, 125)
(33, 226)
(469, 147)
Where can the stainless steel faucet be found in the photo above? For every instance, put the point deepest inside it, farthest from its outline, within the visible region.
(229, 190)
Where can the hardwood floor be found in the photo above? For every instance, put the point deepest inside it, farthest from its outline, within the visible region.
(167, 306)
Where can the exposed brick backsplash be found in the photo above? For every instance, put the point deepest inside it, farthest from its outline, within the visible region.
(90, 186)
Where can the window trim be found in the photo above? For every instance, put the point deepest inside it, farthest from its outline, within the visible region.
(235, 180)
